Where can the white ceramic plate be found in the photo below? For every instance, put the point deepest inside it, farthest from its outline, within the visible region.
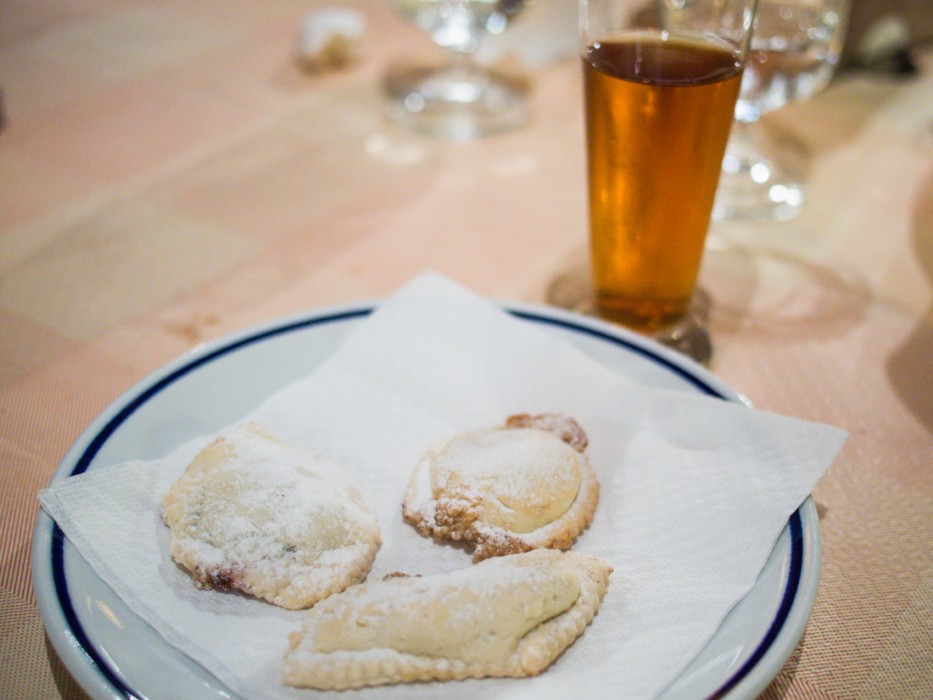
(114, 654)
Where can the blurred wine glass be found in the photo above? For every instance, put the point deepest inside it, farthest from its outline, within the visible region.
(795, 48)
(457, 98)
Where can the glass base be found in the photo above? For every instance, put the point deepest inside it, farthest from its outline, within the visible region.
(761, 179)
(459, 101)
(688, 335)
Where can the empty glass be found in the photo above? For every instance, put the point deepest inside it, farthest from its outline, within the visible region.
(794, 52)
(457, 98)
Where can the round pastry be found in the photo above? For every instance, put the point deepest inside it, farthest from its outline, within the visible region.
(522, 486)
(256, 516)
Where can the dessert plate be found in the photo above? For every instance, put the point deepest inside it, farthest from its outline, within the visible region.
(113, 653)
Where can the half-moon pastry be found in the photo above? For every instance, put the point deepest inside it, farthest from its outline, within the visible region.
(253, 515)
(506, 616)
(523, 486)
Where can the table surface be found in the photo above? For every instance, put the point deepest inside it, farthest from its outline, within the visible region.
(171, 175)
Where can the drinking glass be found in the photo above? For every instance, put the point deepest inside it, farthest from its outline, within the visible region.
(660, 81)
(795, 48)
(457, 98)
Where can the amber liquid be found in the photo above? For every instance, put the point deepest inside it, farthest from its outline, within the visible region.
(658, 115)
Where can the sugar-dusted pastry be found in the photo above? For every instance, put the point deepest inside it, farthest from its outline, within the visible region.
(253, 515)
(506, 616)
(522, 486)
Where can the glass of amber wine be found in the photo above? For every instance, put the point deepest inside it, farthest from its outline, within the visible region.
(661, 78)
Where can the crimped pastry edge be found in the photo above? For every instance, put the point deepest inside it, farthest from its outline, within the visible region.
(536, 651)
(183, 549)
(490, 540)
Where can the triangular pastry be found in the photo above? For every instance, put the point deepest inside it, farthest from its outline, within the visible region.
(522, 486)
(253, 515)
(506, 616)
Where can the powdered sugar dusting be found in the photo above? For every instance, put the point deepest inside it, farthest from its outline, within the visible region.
(518, 462)
(493, 486)
(474, 614)
(255, 515)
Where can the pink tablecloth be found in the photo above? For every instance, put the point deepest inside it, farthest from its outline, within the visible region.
(169, 175)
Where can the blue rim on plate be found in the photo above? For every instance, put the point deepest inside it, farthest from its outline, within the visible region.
(645, 350)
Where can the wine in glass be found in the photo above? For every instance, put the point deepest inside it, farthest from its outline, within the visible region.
(457, 98)
(795, 48)
(661, 79)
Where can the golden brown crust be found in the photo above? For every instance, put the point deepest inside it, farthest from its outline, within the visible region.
(565, 427)
(449, 503)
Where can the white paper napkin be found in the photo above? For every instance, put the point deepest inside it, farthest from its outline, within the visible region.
(695, 492)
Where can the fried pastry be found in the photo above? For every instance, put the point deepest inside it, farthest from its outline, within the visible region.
(506, 616)
(253, 515)
(523, 486)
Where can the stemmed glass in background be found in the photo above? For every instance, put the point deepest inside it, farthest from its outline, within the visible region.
(457, 98)
(795, 48)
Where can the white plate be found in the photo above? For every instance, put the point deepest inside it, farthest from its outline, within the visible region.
(114, 654)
